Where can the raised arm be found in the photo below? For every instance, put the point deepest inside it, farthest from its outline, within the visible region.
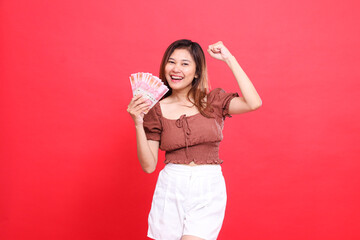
(147, 150)
(250, 99)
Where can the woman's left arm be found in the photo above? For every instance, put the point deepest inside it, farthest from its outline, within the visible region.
(250, 99)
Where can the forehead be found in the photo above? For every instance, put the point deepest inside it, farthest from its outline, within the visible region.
(181, 54)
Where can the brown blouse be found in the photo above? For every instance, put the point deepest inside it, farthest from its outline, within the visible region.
(190, 138)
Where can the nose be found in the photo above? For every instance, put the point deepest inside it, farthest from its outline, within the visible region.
(176, 68)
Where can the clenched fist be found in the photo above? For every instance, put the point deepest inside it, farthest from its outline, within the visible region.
(219, 51)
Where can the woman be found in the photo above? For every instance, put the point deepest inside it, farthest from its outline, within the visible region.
(190, 195)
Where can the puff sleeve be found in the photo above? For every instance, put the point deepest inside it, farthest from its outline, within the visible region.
(152, 124)
(220, 101)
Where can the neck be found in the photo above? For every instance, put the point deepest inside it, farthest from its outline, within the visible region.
(180, 95)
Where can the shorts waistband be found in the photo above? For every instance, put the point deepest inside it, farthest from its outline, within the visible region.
(199, 170)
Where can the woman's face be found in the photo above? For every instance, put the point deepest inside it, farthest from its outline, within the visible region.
(180, 70)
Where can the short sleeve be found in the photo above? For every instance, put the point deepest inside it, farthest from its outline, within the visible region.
(152, 124)
(220, 101)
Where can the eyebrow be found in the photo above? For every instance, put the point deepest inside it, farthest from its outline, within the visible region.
(184, 60)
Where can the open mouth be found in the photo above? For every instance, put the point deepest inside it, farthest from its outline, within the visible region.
(175, 78)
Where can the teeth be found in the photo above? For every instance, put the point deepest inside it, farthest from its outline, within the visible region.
(177, 78)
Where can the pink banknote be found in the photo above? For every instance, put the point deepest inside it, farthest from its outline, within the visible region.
(149, 86)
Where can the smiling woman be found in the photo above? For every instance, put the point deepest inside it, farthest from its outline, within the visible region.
(180, 70)
(190, 195)
(185, 60)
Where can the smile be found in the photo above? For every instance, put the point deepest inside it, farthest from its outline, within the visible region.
(175, 78)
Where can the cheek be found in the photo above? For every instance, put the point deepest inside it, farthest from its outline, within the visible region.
(167, 69)
(167, 72)
(191, 72)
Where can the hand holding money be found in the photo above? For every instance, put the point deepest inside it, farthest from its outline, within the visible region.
(149, 86)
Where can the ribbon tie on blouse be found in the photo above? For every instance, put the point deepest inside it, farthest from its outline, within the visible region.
(183, 123)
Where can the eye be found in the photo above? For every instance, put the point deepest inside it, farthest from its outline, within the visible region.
(185, 64)
(171, 61)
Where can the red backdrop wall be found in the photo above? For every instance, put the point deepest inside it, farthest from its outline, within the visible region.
(68, 167)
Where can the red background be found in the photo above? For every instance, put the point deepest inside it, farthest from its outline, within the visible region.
(68, 167)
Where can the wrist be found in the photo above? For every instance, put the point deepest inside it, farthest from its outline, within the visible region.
(229, 60)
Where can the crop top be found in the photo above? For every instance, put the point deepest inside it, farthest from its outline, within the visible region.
(190, 138)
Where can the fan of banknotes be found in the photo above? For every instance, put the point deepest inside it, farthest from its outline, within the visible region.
(149, 86)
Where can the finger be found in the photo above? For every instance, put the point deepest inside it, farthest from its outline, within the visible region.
(140, 106)
(145, 104)
(216, 45)
(212, 54)
(132, 110)
(142, 102)
(215, 49)
(137, 96)
(138, 101)
(133, 99)
(210, 49)
(144, 109)
(138, 111)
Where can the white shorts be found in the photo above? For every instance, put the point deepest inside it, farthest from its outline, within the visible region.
(188, 200)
